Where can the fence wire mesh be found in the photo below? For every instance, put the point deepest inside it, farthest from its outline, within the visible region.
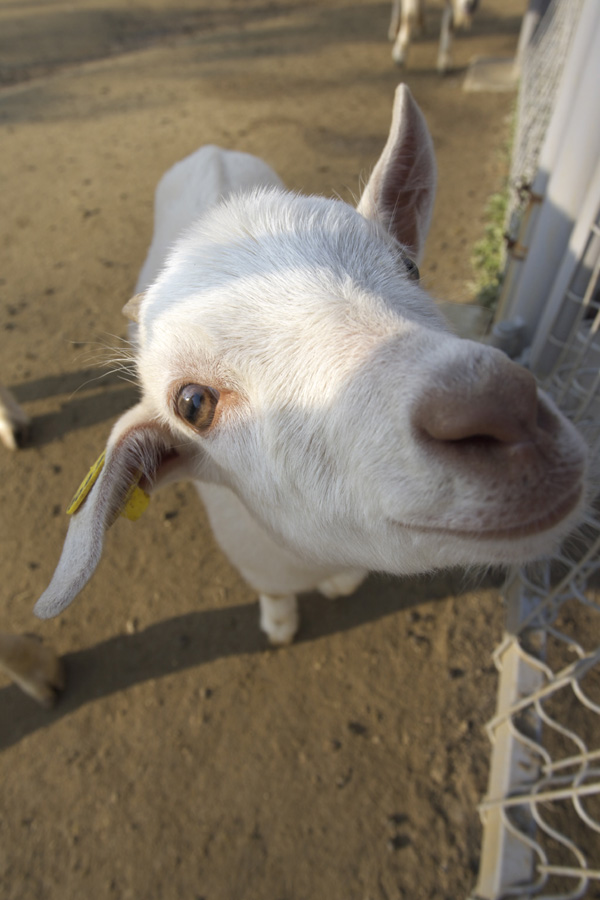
(541, 816)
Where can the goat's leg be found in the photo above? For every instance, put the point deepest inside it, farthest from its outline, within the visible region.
(279, 615)
(279, 618)
(33, 667)
(13, 421)
(395, 19)
(446, 34)
(343, 584)
(276, 574)
(408, 20)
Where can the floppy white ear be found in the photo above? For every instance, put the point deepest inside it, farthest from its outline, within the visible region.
(401, 189)
(137, 449)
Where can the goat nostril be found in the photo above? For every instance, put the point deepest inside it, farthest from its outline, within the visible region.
(475, 421)
(500, 408)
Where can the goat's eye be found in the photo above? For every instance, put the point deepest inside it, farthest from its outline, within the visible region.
(412, 269)
(196, 404)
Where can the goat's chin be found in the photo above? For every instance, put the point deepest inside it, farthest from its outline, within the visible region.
(516, 550)
(523, 541)
(525, 524)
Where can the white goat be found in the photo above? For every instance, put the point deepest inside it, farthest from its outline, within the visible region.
(408, 18)
(295, 370)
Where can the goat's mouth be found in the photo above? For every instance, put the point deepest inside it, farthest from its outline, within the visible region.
(531, 527)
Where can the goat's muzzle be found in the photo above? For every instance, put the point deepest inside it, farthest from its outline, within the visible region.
(483, 421)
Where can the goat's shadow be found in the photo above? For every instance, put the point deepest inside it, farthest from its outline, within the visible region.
(191, 640)
(91, 397)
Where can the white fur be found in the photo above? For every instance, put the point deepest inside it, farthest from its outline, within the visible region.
(408, 19)
(347, 434)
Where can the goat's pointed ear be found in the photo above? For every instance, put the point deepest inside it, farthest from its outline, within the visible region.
(401, 190)
(139, 452)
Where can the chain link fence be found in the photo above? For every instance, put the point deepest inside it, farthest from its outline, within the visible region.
(541, 815)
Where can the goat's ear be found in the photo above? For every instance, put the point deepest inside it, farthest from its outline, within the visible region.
(139, 453)
(401, 190)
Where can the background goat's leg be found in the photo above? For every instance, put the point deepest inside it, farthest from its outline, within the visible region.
(13, 421)
(410, 18)
(395, 19)
(33, 667)
(446, 35)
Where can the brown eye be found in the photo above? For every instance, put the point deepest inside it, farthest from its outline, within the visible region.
(196, 404)
(411, 269)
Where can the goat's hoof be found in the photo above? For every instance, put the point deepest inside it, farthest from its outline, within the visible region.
(36, 669)
(341, 585)
(14, 423)
(281, 634)
(279, 618)
(13, 434)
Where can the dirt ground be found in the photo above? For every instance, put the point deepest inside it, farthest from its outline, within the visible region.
(186, 759)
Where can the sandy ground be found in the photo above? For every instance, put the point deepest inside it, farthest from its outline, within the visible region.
(186, 759)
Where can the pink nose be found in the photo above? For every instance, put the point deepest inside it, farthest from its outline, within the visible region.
(483, 397)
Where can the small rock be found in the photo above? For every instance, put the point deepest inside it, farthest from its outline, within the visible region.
(357, 728)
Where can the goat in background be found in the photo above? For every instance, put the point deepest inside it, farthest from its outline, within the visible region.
(408, 19)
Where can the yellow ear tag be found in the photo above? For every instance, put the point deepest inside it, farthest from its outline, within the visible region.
(135, 503)
(136, 499)
(86, 485)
